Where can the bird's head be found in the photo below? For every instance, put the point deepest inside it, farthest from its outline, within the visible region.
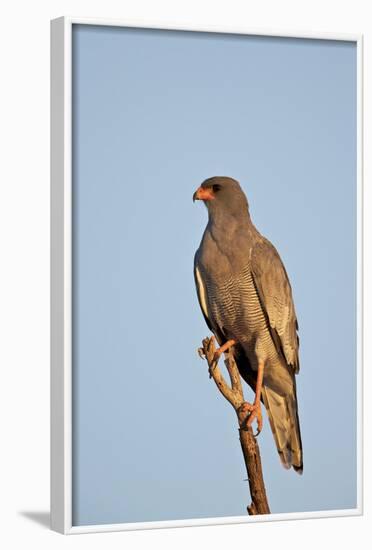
(222, 195)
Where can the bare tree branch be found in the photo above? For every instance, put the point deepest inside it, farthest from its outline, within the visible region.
(235, 397)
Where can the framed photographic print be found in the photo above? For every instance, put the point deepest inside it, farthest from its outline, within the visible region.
(206, 275)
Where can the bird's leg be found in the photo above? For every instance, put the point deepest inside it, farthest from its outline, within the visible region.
(223, 348)
(255, 409)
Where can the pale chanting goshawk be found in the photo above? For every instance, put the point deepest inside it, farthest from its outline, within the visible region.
(246, 299)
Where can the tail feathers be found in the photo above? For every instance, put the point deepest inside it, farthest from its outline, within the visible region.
(284, 422)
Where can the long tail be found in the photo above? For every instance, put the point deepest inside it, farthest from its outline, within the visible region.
(282, 411)
(284, 422)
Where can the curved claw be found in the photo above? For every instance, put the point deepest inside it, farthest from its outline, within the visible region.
(256, 413)
(258, 431)
(201, 353)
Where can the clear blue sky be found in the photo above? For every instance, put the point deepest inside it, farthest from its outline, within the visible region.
(155, 113)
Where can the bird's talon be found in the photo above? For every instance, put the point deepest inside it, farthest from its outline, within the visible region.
(252, 412)
(255, 413)
(259, 429)
(201, 353)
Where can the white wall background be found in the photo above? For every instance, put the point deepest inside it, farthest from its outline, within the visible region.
(24, 273)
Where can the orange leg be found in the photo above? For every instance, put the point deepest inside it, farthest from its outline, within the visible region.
(255, 409)
(223, 348)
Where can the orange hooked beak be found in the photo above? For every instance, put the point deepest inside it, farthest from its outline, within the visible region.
(202, 194)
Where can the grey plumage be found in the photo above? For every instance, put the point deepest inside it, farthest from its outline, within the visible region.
(245, 295)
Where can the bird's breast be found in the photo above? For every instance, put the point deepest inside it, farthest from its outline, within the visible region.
(235, 307)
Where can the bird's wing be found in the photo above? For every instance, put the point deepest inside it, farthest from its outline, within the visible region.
(275, 294)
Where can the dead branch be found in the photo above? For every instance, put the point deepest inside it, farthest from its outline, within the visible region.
(234, 395)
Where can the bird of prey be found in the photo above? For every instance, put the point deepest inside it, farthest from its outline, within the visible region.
(246, 299)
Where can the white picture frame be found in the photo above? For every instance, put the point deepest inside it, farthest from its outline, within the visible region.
(61, 280)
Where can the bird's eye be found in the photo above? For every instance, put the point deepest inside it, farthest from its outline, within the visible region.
(216, 187)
